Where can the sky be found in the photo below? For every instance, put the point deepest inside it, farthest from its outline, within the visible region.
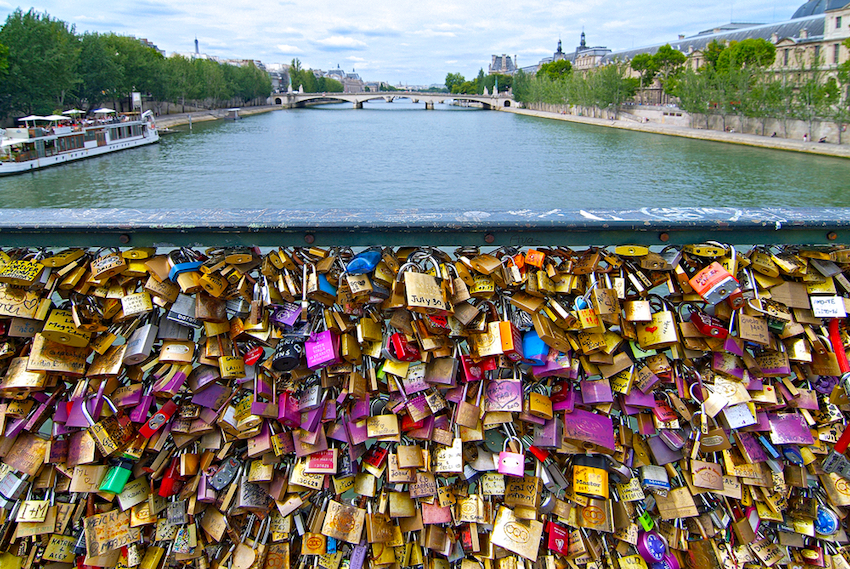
(407, 42)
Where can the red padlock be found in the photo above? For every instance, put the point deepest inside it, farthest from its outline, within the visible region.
(170, 481)
(403, 349)
(159, 419)
(709, 325)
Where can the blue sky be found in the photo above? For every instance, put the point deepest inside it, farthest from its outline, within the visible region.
(401, 41)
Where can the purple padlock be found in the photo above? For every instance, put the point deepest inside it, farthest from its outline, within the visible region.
(651, 546)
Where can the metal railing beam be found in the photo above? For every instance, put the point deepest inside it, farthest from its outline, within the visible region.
(600, 227)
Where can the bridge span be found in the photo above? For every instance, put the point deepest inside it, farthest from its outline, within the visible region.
(296, 99)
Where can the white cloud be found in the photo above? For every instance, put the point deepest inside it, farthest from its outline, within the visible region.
(289, 48)
(341, 41)
(434, 34)
(354, 58)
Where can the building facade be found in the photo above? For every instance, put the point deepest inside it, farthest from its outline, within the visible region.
(814, 33)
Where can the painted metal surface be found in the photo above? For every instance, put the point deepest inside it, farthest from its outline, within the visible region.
(263, 227)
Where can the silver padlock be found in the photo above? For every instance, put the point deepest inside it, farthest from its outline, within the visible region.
(171, 330)
(183, 311)
(140, 343)
(13, 485)
(237, 307)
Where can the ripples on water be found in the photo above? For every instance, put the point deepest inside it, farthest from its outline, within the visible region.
(398, 156)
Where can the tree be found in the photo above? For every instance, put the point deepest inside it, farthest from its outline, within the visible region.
(42, 56)
(4, 61)
(646, 67)
(611, 86)
(669, 62)
(489, 82)
(712, 52)
(693, 90)
(479, 81)
(555, 70)
(841, 107)
(454, 80)
(813, 96)
(749, 53)
(99, 72)
(143, 67)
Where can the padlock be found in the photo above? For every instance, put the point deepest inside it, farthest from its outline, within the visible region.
(111, 434)
(512, 463)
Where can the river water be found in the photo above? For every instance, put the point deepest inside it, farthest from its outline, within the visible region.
(397, 155)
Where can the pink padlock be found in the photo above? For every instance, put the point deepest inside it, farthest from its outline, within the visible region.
(322, 350)
(512, 463)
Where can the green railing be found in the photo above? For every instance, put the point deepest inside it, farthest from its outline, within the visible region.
(397, 227)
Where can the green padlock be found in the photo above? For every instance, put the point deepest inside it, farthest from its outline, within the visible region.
(117, 476)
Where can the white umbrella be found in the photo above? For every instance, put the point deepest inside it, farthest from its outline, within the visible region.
(56, 118)
(73, 112)
(103, 110)
(31, 118)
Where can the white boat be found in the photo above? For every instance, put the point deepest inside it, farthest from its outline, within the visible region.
(233, 114)
(62, 139)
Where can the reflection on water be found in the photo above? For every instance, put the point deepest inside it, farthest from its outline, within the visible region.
(397, 155)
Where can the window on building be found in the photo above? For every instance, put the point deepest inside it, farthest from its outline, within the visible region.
(837, 22)
(817, 52)
(836, 50)
(786, 57)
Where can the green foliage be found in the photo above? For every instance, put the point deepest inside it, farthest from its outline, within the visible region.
(454, 80)
(556, 69)
(489, 82)
(4, 61)
(45, 66)
(99, 71)
(751, 52)
(712, 52)
(668, 62)
(610, 86)
(42, 63)
(307, 79)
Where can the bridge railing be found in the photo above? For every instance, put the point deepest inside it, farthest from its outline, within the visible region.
(417, 227)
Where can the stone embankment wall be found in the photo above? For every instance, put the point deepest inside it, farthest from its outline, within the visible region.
(673, 116)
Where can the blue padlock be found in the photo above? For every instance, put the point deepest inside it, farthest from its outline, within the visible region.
(181, 263)
(364, 262)
(534, 349)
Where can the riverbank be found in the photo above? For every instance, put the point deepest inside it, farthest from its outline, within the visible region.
(169, 121)
(698, 134)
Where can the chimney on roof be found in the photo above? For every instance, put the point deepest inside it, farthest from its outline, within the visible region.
(774, 38)
(681, 36)
(804, 34)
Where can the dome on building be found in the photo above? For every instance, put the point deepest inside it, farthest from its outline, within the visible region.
(815, 7)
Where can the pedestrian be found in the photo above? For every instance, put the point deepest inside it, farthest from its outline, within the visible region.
(806, 137)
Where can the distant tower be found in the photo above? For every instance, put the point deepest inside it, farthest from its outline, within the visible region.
(196, 46)
(559, 46)
(583, 44)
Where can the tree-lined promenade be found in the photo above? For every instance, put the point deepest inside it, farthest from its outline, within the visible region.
(45, 66)
(735, 80)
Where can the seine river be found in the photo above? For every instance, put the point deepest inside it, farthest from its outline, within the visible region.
(397, 155)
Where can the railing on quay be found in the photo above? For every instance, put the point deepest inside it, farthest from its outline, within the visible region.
(421, 227)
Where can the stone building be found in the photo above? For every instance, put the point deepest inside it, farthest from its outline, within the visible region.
(502, 64)
(815, 32)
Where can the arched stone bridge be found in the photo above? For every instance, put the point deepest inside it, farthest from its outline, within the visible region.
(290, 100)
